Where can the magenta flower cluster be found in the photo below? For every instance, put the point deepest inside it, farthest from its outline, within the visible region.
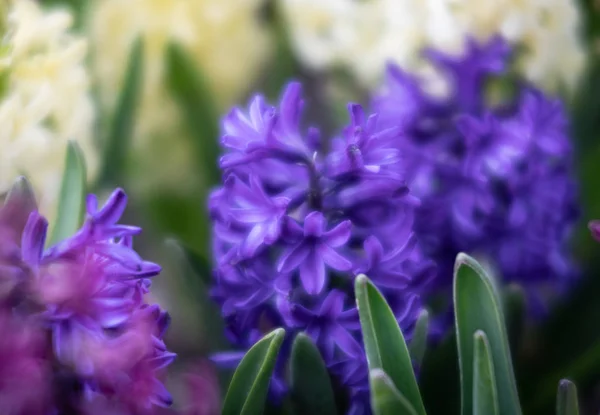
(77, 334)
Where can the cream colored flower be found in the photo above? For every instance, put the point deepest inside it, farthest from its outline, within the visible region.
(363, 35)
(226, 40)
(44, 100)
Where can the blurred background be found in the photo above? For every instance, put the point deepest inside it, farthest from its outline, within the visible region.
(141, 85)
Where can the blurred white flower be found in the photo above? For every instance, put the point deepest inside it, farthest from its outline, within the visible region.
(363, 35)
(44, 101)
(226, 40)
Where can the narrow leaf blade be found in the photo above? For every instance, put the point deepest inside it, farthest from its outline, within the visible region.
(250, 383)
(385, 398)
(485, 396)
(384, 343)
(311, 385)
(121, 129)
(71, 204)
(477, 307)
(566, 400)
(418, 344)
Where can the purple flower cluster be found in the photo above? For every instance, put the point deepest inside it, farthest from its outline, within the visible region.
(76, 331)
(496, 181)
(295, 222)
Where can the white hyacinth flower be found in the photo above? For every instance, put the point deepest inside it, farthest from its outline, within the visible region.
(364, 35)
(44, 101)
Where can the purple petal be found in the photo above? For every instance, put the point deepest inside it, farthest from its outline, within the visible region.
(312, 274)
(291, 258)
(339, 235)
(254, 240)
(333, 259)
(314, 224)
(347, 342)
(374, 251)
(594, 227)
(333, 304)
(34, 238)
(113, 209)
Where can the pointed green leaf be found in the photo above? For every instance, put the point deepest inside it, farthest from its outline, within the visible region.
(385, 398)
(194, 97)
(310, 382)
(71, 204)
(22, 193)
(418, 344)
(566, 400)
(485, 397)
(121, 129)
(477, 307)
(384, 342)
(250, 383)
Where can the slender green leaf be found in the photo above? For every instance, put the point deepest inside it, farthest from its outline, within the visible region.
(385, 398)
(311, 385)
(194, 97)
(121, 129)
(384, 342)
(418, 344)
(250, 383)
(485, 396)
(477, 307)
(566, 399)
(71, 204)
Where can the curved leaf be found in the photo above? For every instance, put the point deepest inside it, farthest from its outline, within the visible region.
(385, 398)
(121, 129)
(384, 342)
(71, 204)
(485, 397)
(418, 343)
(250, 383)
(566, 399)
(477, 307)
(310, 382)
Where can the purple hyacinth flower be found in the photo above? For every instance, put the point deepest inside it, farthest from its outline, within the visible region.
(315, 249)
(594, 227)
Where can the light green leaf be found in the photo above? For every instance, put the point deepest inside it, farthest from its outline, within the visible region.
(71, 204)
(566, 399)
(385, 398)
(310, 382)
(250, 383)
(418, 343)
(477, 307)
(384, 342)
(194, 97)
(485, 397)
(121, 129)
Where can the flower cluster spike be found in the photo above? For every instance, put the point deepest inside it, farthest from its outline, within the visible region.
(493, 180)
(76, 331)
(294, 224)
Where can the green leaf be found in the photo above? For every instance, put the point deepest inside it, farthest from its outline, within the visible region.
(385, 398)
(310, 382)
(566, 399)
(71, 204)
(121, 129)
(384, 342)
(22, 193)
(250, 383)
(485, 396)
(194, 97)
(477, 307)
(418, 344)
(514, 308)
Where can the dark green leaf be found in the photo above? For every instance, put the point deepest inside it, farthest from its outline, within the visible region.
(384, 342)
(71, 204)
(195, 100)
(514, 309)
(250, 383)
(385, 398)
(485, 396)
(311, 386)
(121, 129)
(566, 399)
(477, 307)
(418, 344)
